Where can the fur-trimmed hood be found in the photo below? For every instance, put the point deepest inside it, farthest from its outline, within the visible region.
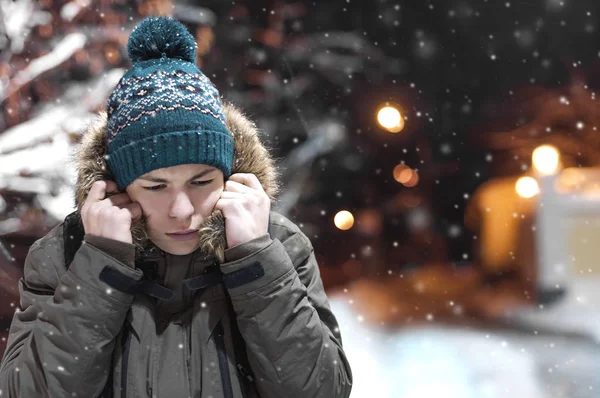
(250, 156)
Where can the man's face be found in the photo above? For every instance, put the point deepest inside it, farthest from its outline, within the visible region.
(177, 199)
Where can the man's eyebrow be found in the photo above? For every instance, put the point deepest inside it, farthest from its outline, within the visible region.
(162, 180)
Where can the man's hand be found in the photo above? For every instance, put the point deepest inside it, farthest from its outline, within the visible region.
(246, 207)
(109, 217)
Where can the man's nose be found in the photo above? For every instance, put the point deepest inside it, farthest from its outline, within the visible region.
(182, 207)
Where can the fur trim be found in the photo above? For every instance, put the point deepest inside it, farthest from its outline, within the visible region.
(250, 157)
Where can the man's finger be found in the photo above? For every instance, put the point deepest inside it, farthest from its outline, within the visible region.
(134, 209)
(118, 199)
(97, 191)
(100, 188)
(231, 195)
(247, 179)
(111, 186)
(223, 203)
(234, 186)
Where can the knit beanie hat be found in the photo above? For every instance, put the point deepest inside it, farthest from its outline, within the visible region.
(164, 111)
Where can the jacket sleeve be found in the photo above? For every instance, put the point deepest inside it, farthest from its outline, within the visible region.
(293, 341)
(62, 336)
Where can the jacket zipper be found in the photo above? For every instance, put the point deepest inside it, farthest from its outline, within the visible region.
(124, 365)
(186, 356)
(223, 366)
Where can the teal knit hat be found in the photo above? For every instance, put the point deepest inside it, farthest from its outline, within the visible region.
(164, 111)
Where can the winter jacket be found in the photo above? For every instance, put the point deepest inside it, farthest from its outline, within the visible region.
(101, 318)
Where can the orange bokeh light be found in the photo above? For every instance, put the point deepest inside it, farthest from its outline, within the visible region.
(405, 175)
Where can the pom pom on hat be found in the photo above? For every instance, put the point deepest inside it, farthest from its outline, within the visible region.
(159, 37)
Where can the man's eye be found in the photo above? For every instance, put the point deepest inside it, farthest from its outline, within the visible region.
(202, 182)
(155, 188)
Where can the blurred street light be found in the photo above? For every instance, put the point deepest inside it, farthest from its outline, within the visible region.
(344, 220)
(398, 170)
(527, 187)
(545, 159)
(390, 119)
(405, 175)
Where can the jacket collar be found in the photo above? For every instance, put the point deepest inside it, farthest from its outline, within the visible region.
(172, 271)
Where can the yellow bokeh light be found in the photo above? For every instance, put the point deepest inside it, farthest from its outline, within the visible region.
(344, 220)
(527, 187)
(545, 159)
(390, 119)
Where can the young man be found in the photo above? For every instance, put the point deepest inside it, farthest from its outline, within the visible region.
(174, 278)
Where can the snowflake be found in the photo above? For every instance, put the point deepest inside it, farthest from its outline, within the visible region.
(454, 231)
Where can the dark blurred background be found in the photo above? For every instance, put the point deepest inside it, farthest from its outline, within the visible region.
(419, 223)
